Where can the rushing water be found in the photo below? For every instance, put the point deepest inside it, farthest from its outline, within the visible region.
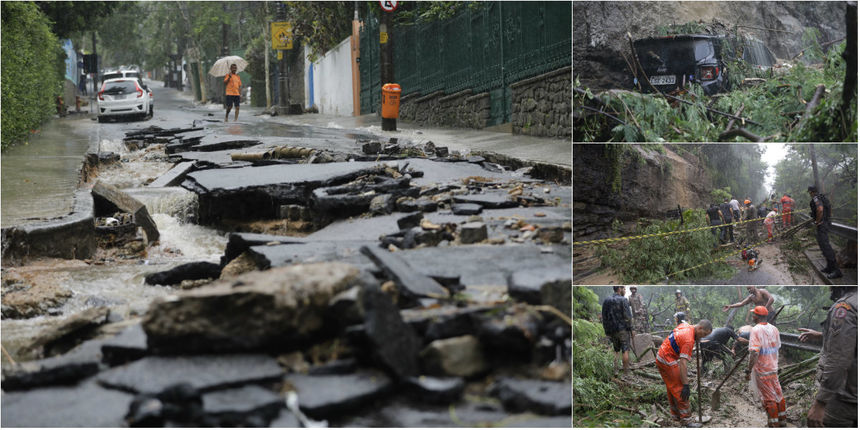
(39, 179)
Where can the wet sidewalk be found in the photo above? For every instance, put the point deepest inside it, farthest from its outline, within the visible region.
(557, 152)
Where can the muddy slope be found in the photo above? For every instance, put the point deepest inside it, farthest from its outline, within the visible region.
(600, 28)
(651, 183)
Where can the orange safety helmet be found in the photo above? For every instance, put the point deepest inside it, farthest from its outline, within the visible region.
(746, 202)
(760, 310)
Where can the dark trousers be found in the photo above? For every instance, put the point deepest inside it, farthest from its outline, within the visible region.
(727, 232)
(717, 234)
(821, 235)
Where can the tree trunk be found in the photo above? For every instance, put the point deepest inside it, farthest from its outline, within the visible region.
(814, 167)
(267, 48)
(850, 55)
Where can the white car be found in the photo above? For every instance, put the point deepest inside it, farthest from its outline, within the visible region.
(123, 98)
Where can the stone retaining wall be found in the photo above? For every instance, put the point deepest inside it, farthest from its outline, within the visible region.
(463, 109)
(541, 106)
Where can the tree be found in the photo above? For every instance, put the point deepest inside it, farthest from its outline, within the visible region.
(69, 17)
(321, 25)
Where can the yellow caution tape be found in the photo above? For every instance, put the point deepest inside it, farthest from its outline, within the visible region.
(668, 233)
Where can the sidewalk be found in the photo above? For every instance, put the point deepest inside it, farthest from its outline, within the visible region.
(557, 152)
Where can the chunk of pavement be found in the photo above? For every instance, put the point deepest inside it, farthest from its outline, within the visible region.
(174, 176)
(61, 370)
(253, 311)
(548, 286)
(409, 221)
(441, 151)
(487, 201)
(129, 345)
(345, 308)
(551, 234)
(393, 343)
(476, 159)
(514, 331)
(69, 333)
(154, 374)
(106, 195)
(84, 405)
(188, 271)
(324, 396)
(436, 390)
(342, 366)
(285, 419)
(382, 204)
(242, 264)
(409, 281)
(418, 236)
(473, 232)
(456, 356)
(642, 342)
(466, 208)
(372, 147)
(541, 397)
(243, 406)
(443, 322)
(177, 405)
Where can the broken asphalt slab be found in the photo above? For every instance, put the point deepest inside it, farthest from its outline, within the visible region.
(85, 405)
(152, 375)
(407, 279)
(326, 396)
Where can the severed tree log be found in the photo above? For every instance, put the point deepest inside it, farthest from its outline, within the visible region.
(732, 121)
(816, 99)
(740, 132)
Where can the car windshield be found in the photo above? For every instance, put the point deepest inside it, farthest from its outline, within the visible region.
(120, 87)
(672, 53)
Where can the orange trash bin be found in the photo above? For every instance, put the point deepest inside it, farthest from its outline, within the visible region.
(390, 101)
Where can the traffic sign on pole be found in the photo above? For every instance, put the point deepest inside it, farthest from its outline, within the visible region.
(282, 35)
(388, 5)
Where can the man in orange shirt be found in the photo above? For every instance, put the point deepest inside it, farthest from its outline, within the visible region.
(764, 362)
(672, 360)
(787, 208)
(234, 84)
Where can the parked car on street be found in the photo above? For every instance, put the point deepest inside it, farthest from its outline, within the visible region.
(672, 62)
(124, 97)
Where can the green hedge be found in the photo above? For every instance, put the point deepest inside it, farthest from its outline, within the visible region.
(31, 79)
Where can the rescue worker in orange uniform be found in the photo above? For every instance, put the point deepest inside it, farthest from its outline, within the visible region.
(672, 359)
(787, 208)
(764, 363)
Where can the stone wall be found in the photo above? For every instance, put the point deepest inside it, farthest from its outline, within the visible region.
(541, 106)
(463, 109)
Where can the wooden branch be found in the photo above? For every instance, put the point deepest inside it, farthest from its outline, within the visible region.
(732, 121)
(740, 132)
(714, 110)
(823, 47)
(625, 408)
(639, 65)
(647, 375)
(810, 107)
(603, 113)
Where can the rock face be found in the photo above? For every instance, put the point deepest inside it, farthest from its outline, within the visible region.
(600, 28)
(651, 183)
(286, 304)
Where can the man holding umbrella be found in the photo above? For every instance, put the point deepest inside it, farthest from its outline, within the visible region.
(233, 84)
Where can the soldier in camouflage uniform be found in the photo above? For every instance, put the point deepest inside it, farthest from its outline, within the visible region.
(836, 401)
(640, 314)
(682, 305)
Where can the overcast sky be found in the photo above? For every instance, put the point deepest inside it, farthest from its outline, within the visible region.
(772, 154)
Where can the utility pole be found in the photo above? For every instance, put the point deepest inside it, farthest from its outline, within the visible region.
(283, 104)
(96, 71)
(386, 54)
(266, 50)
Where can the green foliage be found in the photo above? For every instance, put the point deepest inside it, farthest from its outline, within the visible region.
(425, 11)
(69, 17)
(650, 260)
(837, 168)
(585, 303)
(812, 52)
(321, 25)
(777, 104)
(31, 74)
(718, 194)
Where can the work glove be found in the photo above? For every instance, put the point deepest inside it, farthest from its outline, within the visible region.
(685, 392)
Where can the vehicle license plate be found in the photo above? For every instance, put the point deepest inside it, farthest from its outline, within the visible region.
(663, 80)
(122, 96)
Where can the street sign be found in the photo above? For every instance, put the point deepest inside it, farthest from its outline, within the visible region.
(282, 35)
(383, 37)
(388, 5)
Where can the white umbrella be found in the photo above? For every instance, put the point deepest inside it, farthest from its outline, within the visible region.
(222, 66)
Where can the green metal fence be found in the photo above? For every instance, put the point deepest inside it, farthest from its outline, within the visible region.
(484, 50)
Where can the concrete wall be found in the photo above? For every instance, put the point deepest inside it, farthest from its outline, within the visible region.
(332, 81)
